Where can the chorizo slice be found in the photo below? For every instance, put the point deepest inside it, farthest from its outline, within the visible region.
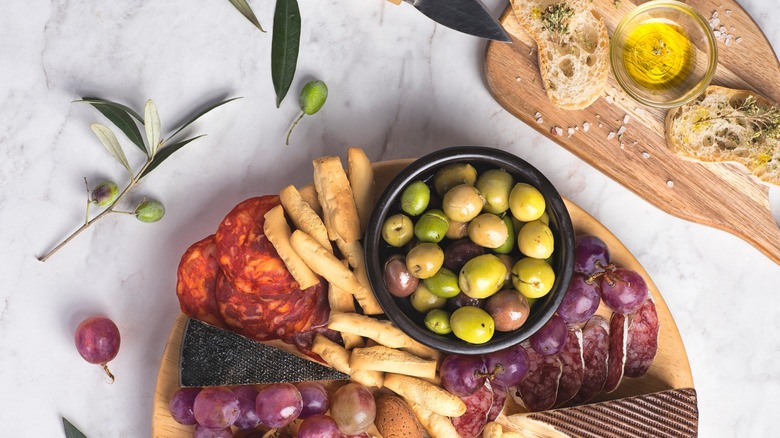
(196, 282)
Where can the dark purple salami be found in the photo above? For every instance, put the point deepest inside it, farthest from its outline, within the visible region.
(471, 423)
(641, 340)
(618, 327)
(540, 387)
(573, 366)
(595, 350)
(499, 401)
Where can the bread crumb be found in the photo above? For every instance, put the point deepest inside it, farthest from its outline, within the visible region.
(586, 126)
(645, 155)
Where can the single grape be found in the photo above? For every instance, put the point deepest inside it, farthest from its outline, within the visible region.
(353, 408)
(216, 407)
(318, 426)
(97, 341)
(205, 432)
(279, 404)
(591, 255)
(507, 367)
(551, 338)
(623, 290)
(247, 416)
(463, 375)
(181, 405)
(315, 399)
(581, 300)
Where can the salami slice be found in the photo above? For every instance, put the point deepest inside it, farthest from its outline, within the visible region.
(540, 387)
(499, 401)
(595, 350)
(642, 340)
(197, 282)
(618, 327)
(471, 423)
(573, 366)
(245, 254)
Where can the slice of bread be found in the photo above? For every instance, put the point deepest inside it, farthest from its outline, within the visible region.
(573, 49)
(724, 124)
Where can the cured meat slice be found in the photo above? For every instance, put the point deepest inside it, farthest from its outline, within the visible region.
(618, 326)
(595, 350)
(642, 340)
(499, 401)
(197, 282)
(573, 366)
(245, 254)
(540, 387)
(471, 423)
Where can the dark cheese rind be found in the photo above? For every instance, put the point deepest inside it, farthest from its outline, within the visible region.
(211, 356)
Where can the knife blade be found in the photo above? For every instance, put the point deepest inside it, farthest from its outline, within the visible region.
(467, 16)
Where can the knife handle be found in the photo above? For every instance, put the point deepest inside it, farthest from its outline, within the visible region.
(398, 2)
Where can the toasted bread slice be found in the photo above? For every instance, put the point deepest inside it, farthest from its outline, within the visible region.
(724, 124)
(573, 49)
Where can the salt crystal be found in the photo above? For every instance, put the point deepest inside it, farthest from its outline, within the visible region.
(716, 33)
(670, 183)
(622, 130)
(611, 135)
(570, 131)
(586, 126)
(557, 130)
(610, 99)
(714, 14)
(518, 79)
(645, 155)
(722, 29)
(738, 40)
(728, 12)
(538, 114)
(540, 120)
(626, 118)
(714, 23)
(728, 41)
(600, 125)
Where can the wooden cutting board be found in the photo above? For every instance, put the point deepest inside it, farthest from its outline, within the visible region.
(724, 196)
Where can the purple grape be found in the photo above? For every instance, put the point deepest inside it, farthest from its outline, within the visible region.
(591, 255)
(507, 367)
(623, 290)
(216, 407)
(181, 405)
(353, 408)
(279, 404)
(551, 338)
(205, 432)
(581, 300)
(315, 399)
(97, 341)
(318, 426)
(463, 375)
(247, 416)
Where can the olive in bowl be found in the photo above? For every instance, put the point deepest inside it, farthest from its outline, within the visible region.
(465, 255)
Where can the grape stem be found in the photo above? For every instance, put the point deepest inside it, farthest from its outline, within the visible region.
(270, 433)
(108, 373)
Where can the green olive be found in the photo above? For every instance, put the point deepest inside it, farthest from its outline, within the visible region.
(105, 193)
(495, 185)
(443, 284)
(415, 198)
(462, 203)
(457, 230)
(438, 321)
(533, 277)
(452, 175)
(424, 301)
(488, 230)
(398, 230)
(482, 276)
(149, 211)
(472, 324)
(545, 218)
(424, 260)
(536, 240)
(526, 202)
(432, 226)
(511, 238)
(313, 96)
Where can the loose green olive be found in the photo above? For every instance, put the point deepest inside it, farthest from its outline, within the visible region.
(511, 238)
(415, 198)
(495, 185)
(313, 97)
(488, 230)
(443, 284)
(105, 193)
(398, 230)
(536, 240)
(438, 321)
(452, 175)
(149, 211)
(472, 324)
(432, 226)
(462, 203)
(424, 260)
(424, 301)
(526, 202)
(482, 276)
(457, 230)
(533, 277)
(399, 281)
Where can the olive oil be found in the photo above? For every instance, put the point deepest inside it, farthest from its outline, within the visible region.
(658, 56)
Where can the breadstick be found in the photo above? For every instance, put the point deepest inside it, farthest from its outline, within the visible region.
(365, 295)
(381, 358)
(423, 393)
(361, 178)
(338, 357)
(335, 196)
(278, 233)
(492, 430)
(384, 332)
(438, 426)
(343, 302)
(309, 194)
(303, 216)
(321, 261)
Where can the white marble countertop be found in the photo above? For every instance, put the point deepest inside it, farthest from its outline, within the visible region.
(400, 86)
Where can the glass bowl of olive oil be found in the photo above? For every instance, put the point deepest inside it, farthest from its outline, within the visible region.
(663, 53)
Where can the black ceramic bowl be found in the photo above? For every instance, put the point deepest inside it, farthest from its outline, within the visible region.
(400, 311)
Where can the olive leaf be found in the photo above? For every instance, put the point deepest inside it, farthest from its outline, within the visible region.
(152, 126)
(121, 116)
(112, 145)
(166, 152)
(70, 430)
(201, 114)
(246, 10)
(284, 46)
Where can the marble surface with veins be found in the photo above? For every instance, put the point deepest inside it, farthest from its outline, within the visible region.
(400, 86)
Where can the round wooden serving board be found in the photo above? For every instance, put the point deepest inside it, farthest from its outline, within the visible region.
(670, 370)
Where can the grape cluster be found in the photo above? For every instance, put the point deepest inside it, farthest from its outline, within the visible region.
(217, 411)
